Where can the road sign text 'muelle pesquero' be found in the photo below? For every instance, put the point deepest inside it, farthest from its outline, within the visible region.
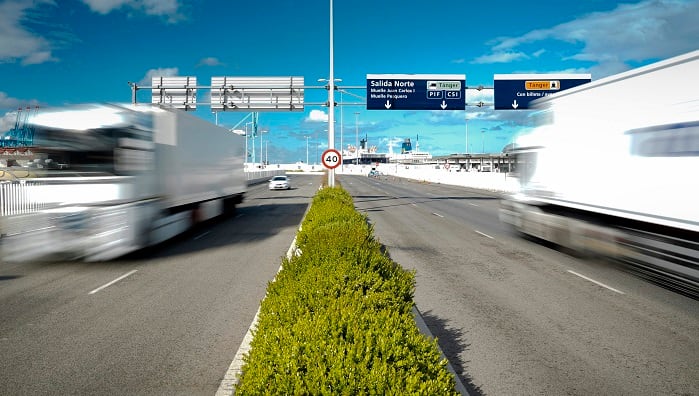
(415, 92)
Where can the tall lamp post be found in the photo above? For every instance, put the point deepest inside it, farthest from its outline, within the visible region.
(261, 157)
(356, 133)
(331, 111)
(307, 150)
(246, 143)
(331, 100)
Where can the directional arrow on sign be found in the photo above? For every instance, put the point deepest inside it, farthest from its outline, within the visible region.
(514, 104)
(388, 104)
(444, 105)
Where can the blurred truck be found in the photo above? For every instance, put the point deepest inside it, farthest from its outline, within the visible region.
(613, 169)
(102, 180)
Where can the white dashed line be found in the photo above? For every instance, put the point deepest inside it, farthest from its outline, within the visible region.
(113, 282)
(485, 235)
(596, 283)
(437, 214)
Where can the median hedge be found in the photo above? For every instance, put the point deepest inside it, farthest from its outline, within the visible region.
(337, 320)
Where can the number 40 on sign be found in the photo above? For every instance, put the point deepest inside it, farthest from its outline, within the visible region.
(331, 158)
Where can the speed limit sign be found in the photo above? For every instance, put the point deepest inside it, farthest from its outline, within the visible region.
(331, 158)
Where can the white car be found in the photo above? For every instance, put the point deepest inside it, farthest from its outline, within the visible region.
(279, 183)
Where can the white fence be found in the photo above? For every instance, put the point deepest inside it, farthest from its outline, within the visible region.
(16, 198)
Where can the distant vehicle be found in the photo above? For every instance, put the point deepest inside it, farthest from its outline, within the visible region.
(612, 172)
(279, 183)
(110, 179)
(373, 173)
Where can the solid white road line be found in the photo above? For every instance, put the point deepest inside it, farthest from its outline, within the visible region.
(595, 282)
(230, 379)
(485, 235)
(437, 214)
(113, 282)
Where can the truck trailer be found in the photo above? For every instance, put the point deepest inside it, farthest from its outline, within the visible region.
(611, 170)
(103, 180)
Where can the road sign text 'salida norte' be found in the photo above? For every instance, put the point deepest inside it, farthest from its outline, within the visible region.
(516, 91)
(415, 91)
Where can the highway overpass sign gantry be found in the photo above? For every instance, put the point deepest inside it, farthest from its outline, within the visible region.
(179, 92)
(516, 91)
(416, 91)
(257, 94)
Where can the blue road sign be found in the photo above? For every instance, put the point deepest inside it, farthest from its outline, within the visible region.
(415, 91)
(516, 91)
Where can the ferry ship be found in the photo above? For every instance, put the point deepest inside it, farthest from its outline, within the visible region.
(366, 155)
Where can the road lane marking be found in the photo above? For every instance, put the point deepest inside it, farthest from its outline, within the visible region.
(597, 283)
(485, 235)
(437, 214)
(202, 235)
(472, 204)
(235, 369)
(113, 282)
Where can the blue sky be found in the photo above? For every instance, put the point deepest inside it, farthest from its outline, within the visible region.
(71, 51)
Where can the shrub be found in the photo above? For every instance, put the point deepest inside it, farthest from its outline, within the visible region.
(337, 320)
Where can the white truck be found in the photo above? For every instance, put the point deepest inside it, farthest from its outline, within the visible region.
(613, 169)
(103, 180)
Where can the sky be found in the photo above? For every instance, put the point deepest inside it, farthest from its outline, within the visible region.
(55, 53)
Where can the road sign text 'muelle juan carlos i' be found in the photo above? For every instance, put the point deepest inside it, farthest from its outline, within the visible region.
(416, 91)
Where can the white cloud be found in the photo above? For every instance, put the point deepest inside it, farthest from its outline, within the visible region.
(500, 57)
(17, 43)
(169, 9)
(317, 116)
(613, 40)
(160, 72)
(8, 120)
(7, 102)
(210, 61)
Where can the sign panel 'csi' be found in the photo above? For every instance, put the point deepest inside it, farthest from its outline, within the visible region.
(415, 91)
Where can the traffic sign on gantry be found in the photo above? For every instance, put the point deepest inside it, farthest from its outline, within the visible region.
(415, 91)
(257, 93)
(179, 92)
(516, 91)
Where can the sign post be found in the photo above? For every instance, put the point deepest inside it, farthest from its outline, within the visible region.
(416, 91)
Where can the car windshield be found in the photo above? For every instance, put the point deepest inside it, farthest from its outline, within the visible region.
(279, 178)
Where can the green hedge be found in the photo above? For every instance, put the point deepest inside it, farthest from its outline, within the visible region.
(337, 320)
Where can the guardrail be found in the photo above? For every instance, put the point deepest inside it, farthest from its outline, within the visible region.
(261, 176)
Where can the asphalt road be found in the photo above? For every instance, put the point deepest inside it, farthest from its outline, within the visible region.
(170, 326)
(515, 317)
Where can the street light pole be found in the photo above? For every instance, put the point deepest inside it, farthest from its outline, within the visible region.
(342, 131)
(331, 100)
(356, 133)
(307, 150)
(466, 135)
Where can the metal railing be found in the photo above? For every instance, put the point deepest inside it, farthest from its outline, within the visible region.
(16, 198)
